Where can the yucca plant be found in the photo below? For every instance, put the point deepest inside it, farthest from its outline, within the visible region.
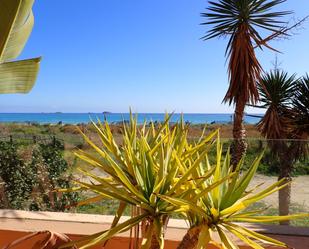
(16, 23)
(157, 172)
(152, 161)
(219, 210)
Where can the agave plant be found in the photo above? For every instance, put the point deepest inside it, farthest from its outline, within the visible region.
(152, 161)
(17, 21)
(219, 210)
(240, 20)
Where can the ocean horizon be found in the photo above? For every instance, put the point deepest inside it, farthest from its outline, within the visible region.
(76, 118)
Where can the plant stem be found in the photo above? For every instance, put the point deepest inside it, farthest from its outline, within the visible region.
(190, 240)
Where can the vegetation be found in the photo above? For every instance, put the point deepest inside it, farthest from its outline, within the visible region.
(23, 135)
(239, 21)
(50, 171)
(18, 181)
(158, 172)
(28, 184)
(137, 172)
(15, 77)
(285, 124)
(15, 29)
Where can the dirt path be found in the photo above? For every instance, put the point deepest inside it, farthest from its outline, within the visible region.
(300, 189)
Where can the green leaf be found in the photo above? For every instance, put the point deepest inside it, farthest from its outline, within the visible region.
(16, 22)
(258, 236)
(267, 219)
(227, 242)
(244, 238)
(212, 186)
(18, 77)
(119, 213)
(184, 205)
(92, 240)
(102, 190)
(189, 171)
(247, 201)
(204, 237)
(243, 183)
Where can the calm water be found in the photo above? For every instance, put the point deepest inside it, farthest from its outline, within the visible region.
(75, 118)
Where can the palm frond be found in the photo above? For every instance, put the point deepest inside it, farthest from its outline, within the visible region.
(241, 21)
(300, 130)
(276, 89)
(301, 104)
(227, 15)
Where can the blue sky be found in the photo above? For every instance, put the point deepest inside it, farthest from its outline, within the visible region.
(111, 54)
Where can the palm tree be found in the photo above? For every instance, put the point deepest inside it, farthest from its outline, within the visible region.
(285, 124)
(277, 89)
(300, 128)
(301, 107)
(240, 20)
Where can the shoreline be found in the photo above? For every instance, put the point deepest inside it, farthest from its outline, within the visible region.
(118, 118)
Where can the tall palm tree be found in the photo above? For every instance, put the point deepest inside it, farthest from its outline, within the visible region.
(285, 124)
(241, 20)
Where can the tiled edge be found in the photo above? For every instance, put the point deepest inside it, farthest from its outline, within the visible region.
(72, 223)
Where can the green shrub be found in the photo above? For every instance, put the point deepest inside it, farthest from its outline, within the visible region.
(29, 185)
(50, 167)
(15, 174)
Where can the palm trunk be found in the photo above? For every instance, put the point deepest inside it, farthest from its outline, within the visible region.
(286, 166)
(239, 145)
(190, 240)
(285, 193)
(284, 202)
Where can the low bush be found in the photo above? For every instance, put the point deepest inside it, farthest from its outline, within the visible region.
(29, 184)
(16, 176)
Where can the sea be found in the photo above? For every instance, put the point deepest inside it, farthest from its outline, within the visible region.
(77, 118)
